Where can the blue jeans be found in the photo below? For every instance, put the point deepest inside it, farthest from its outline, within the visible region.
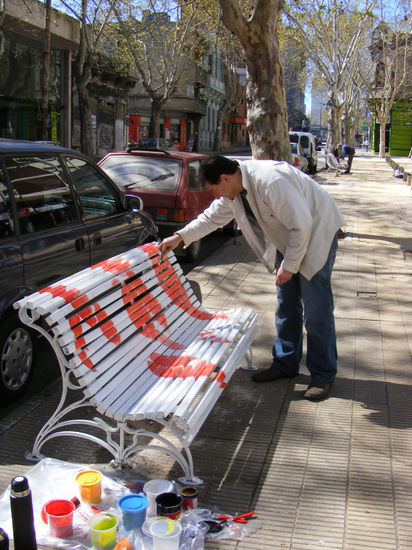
(311, 302)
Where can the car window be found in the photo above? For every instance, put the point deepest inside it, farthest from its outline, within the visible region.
(293, 138)
(97, 197)
(6, 217)
(294, 148)
(304, 141)
(132, 171)
(193, 176)
(43, 197)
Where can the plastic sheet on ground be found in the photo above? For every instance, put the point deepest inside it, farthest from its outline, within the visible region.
(51, 478)
(55, 479)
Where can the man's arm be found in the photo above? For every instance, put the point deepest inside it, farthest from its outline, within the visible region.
(218, 214)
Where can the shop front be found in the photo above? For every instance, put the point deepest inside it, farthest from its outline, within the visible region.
(172, 128)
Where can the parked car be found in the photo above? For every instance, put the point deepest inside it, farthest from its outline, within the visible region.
(299, 159)
(168, 183)
(308, 143)
(59, 213)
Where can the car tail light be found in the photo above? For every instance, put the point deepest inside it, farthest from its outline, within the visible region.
(171, 214)
(296, 161)
(177, 214)
(161, 213)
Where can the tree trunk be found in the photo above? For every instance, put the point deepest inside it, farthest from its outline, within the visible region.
(334, 123)
(154, 126)
(87, 137)
(82, 74)
(46, 71)
(267, 120)
(348, 131)
(217, 141)
(382, 138)
(266, 102)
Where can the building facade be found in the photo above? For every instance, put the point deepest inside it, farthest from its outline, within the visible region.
(318, 111)
(189, 118)
(22, 37)
(21, 71)
(392, 58)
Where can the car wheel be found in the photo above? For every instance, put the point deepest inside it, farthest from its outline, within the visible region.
(16, 358)
(232, 228)
(193, 251)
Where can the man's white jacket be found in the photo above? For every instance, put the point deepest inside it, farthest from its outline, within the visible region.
(295, 214)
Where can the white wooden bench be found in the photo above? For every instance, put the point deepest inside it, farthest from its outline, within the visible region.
(132, 338)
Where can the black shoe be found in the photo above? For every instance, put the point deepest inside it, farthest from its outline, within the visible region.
(270, 375)
(317, 391)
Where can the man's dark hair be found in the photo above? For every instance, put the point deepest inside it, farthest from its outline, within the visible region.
(214, 166)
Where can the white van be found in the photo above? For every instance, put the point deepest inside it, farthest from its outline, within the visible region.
(308, 143)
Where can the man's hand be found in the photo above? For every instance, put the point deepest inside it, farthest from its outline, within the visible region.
(170, 243)
(283, 276)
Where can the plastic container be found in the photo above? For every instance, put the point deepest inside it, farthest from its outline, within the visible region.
(103, 531)
(153, 488)
(58, 514)
(90, 486)
(166, 534)
(133, 508)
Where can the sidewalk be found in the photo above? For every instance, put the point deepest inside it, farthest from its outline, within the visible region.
(331, 475)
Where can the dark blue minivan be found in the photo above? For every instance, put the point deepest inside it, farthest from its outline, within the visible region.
(59, 213)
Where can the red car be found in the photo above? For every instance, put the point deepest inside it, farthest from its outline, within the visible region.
(166, 181)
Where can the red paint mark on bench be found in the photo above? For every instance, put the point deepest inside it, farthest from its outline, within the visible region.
(112, 265)
(177, 366)
(61, 291)
(169, 281)
(221, 378)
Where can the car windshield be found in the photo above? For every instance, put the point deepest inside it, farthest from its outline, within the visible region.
(145, 172)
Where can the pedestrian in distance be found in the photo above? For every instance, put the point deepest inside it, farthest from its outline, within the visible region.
(291, 224)
(332, 161)
(346, 151)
